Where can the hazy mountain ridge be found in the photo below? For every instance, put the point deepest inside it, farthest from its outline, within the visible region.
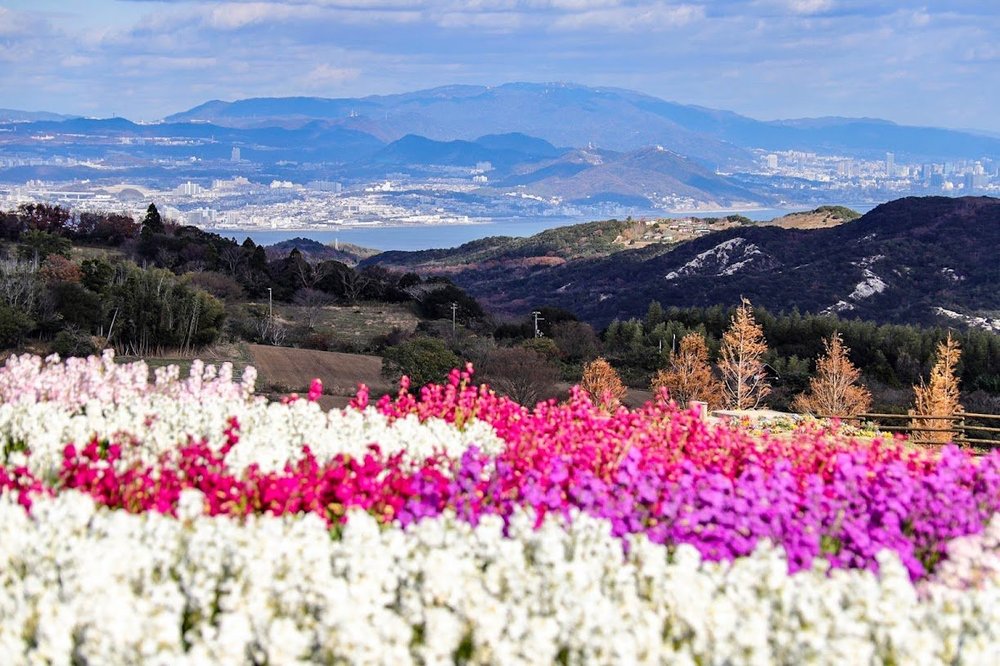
(575, 115)
(902, 262)
(18, 116)
(642, 173)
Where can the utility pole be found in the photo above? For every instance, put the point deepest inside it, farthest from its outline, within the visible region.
(454, 312)
(538, 317)
(270, 306)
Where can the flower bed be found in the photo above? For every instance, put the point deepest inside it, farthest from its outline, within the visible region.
(172, 520)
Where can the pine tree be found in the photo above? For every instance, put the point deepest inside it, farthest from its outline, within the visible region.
(602, 383)
(834, 389)
(939, 397)
(742, 363)
(689, 376)
(152, 223)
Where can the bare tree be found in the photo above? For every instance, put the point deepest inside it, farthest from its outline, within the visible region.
(742, 360)
(522, 374)
(309, 274)
(354, 284)
(232, 258)
(312, 302)
(270, 332)
(20, 282)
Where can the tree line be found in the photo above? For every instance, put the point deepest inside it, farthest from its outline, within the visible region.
(162, 285)
(740, 380)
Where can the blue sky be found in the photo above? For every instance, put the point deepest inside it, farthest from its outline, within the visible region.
(929, 63)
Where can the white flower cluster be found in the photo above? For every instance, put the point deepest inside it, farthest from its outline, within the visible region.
(77, 381)
(973, 561)
(46, 405)
(271, 434)
(86, 585)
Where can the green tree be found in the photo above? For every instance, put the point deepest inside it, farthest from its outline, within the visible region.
(41, 244)
(153, 310)
(14, 325)
(423, 360)
(152, 223)
(97, 274)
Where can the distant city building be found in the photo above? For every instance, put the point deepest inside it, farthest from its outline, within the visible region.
(975, 181)
(325, 186)
(201, 216)
(188, 189)
(772, 161)
(236, 154)
(239, 182)
(846, 169)
(890, 165)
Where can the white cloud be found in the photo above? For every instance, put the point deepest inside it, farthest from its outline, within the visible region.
(497, 21)
(325, 75)
(8, 23)
(653, 17)
(810, 6)
(235, 15)
(167, 63)
(793, 57)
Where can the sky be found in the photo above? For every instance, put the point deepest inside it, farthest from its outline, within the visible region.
(933, 63)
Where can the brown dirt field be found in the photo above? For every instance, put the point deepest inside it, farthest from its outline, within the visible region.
(284, 369)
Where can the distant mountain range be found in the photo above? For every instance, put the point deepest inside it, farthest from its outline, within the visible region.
(918, 260)
(583, 176)
(15, 116)
(581, 116)
(581, 149)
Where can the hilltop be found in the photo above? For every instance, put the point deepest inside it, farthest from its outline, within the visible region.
(314, 251)
(820, 218)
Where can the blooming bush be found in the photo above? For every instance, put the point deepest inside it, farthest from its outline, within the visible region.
(188, 520)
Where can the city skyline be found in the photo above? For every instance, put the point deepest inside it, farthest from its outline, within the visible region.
(933, 65)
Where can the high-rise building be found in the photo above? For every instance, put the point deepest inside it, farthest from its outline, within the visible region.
(236, 154)
(188, 189)
(772, 161)
(890, 165)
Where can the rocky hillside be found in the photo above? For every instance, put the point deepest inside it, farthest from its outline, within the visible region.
(919, 260)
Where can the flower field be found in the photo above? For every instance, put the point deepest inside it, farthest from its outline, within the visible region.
(169, 520)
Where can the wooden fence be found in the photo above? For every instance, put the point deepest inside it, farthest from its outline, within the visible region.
(979, 430)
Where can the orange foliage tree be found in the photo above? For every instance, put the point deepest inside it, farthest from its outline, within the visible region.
(742, 361)
(57, 268)
(603, 384)
(689, 375)
(834, 390)
(939, 397)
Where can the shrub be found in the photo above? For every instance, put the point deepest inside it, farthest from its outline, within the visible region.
(423, 360)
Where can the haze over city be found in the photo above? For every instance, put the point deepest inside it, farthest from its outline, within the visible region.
(932, 63)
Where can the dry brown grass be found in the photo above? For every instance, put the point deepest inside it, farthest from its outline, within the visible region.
(354, 325)
(284, 369)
